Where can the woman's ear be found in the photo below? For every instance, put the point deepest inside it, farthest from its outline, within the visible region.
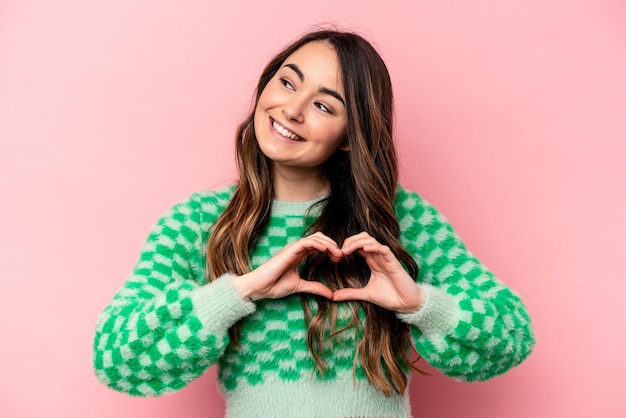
(344, 145)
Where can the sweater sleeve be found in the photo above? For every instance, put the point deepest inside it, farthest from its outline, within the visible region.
(165, 326)
(471, 327)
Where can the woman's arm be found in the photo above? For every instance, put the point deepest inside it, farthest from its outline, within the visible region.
(463, 320)
(165, 327)
(471, 326)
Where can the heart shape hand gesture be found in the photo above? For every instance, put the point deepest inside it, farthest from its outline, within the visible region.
(389, 285)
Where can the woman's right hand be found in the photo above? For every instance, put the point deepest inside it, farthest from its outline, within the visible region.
(278, 277)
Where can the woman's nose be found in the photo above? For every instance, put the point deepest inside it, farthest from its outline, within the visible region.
(293, 110)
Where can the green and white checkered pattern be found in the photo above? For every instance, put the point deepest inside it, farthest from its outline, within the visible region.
(149, 340)
(491, 330)
(165, 327)
(273, 341)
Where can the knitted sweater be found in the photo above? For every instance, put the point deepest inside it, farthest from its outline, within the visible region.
(166, 326)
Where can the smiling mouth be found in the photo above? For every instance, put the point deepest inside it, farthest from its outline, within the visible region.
(285, 132)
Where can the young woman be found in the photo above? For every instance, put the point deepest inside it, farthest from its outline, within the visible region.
(312, 278)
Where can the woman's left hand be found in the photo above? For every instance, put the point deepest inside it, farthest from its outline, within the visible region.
(390, 286)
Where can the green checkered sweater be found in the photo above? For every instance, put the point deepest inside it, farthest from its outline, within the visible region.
(166, 326)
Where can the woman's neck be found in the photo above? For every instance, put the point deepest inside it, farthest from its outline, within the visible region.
(290, 186)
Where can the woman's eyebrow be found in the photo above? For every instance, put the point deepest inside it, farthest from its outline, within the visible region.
(297, 70)
(324, 90)
(332, 93)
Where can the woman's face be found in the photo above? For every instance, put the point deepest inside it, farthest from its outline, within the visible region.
(300, 118)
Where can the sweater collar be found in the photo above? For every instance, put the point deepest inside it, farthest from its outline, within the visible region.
(281, 208)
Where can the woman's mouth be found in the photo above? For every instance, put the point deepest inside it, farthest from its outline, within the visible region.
(285, 132)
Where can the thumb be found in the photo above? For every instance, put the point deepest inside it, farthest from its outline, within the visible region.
(349, 293)
(316, 288)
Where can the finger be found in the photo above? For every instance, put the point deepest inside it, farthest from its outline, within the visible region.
(358, 242)
(356, 237)
(319, 236)
(316, 288)
(351, 294)
(377, 248)
(380, 259)
(320, 244)
(335, 253)
(323, 236)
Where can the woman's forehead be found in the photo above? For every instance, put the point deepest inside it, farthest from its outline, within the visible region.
(318, 62)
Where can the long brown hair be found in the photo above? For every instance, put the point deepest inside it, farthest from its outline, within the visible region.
(362, 183)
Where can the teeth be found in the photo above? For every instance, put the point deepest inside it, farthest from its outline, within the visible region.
(285, 132)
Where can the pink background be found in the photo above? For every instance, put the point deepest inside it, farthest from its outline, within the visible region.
(510, 119)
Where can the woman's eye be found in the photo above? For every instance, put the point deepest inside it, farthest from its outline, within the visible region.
(286, 83)
(322, 107)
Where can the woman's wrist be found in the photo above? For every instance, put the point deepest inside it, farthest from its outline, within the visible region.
(243, 288)
(417, 303)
